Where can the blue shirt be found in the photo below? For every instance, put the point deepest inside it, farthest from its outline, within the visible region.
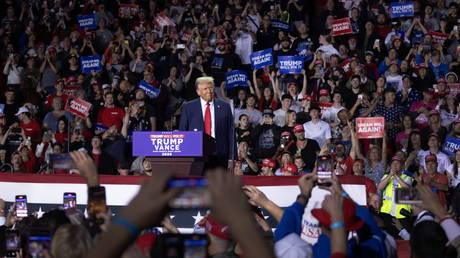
(392, 114)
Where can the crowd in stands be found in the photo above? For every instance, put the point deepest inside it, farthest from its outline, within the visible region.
(403, 69)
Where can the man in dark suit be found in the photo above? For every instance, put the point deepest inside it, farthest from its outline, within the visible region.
(212, 116)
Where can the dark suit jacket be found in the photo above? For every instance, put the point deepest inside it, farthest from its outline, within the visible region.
(192, 118)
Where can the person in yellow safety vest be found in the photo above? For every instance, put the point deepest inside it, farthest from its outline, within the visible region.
(388, 184)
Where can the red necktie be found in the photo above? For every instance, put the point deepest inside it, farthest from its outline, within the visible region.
(207, 120)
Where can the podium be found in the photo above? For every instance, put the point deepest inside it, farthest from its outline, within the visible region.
(169, 153)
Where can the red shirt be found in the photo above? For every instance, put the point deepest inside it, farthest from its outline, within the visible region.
(33, 130)
(111, 116)
(347, 165)
(96, 159)
(440, 179)
(61, 137)
(49, 99)
(31, 165)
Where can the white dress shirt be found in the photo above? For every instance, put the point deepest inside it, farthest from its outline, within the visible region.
(211, 108)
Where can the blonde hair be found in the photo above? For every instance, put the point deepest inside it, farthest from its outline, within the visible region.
(204, 79)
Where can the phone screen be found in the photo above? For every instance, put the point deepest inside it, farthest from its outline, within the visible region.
(96, 203)
(195, 194)
(69, 200)
(21, 205)
(62, 161)
(324, 169)
(407, 196)
(38, 243)
(12, 242)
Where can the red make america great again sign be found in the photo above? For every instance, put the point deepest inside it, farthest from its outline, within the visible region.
(370, 127)
(341, 27)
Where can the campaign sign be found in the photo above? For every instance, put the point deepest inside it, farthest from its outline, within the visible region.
(236, 78)
(169, 144)
(86, 22)
(90, 64)
(438, 37)
(2, 108)
(100, 127)
(261, 59)
(454, 89)
(450, 145)
(128, 10)
(150, 90)
(78, 107)
(290, 64)
(341, 27)
(370, 127)
(277, 24)
(71, 89)
(303, 52)
(398, 9)
(163, 20)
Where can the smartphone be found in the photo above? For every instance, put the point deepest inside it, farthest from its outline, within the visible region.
(96, 203)
(61, 161)
(21, 206)
(324, 170)
(407, 196)
(12, 242)
(455, 27)
(69, 200)
(180, 46)
(180, 245)
(195, 194)
(360, 96)
(38, 243)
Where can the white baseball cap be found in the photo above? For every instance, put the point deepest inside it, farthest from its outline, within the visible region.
(21, 110)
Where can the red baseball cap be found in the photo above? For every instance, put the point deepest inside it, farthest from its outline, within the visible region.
(394, 63)
(58, 81)
(289, 167)
(306, 97)
(284, 134)
(318, 62)
(352, 222)
(441, 80)
(298, 129)
(421, 65)
(268, 163)
(397, 158)
(323, 92)
(431, 158)
(215, 228)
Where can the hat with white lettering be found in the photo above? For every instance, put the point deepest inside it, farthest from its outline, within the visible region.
(298, 129)
(268, 163)
(21, 110)
(352, 222)
(290, 168)
(441, 80)
(397, 158)
(323, 92)
(285, 134)
(215, 228)
(431, 158)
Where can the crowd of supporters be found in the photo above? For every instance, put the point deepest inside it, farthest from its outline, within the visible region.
(402, 69)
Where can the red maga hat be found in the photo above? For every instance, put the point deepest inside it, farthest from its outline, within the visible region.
(352, 222)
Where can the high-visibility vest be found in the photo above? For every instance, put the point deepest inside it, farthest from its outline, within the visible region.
(389, 205)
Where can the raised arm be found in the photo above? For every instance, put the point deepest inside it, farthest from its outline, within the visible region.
(304, 85)
(223, 93)
(276, 87)
(254, 81)
(372, 107)
(258, 198)
(384, 150)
